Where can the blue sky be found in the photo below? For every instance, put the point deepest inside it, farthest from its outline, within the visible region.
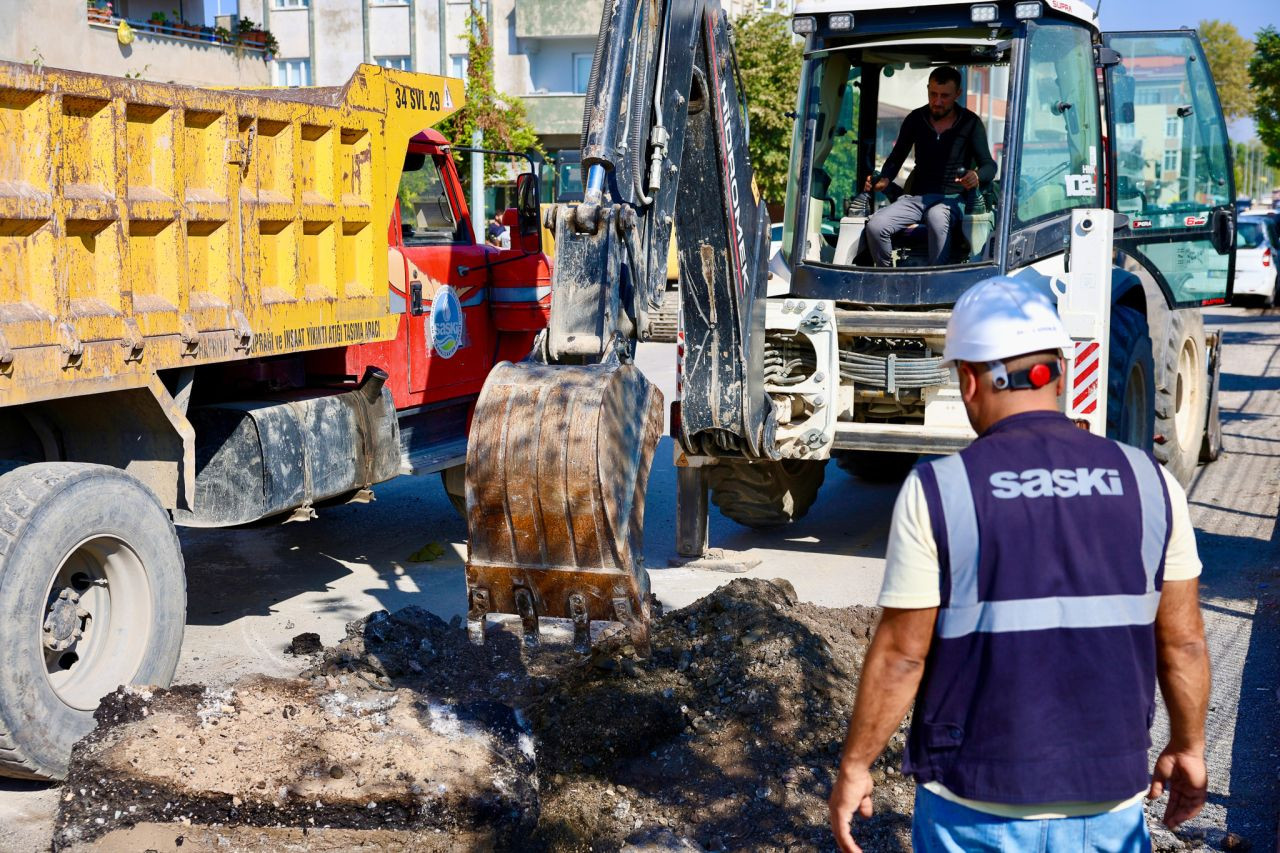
(1249, 16)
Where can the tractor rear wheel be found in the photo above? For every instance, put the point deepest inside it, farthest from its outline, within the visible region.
(1130, 380)
(766, 494)
(1181, 403)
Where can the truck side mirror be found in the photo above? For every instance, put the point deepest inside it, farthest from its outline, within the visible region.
(1223, 229)
(529, 204)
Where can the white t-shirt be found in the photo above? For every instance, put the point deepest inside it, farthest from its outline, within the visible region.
(912, 581)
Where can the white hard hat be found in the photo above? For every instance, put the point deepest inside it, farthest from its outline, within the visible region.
(1001, 317)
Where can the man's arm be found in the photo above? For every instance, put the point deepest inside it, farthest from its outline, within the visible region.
(890, 678)
(1182, 664)
(901, 147)
(982, 152)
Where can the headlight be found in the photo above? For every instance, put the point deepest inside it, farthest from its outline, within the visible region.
(804, 25)
(840, 21)
(1023, 11)
(984, 13)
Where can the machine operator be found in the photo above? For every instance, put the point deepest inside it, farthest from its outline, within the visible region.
(1037, 586)
(952, 158)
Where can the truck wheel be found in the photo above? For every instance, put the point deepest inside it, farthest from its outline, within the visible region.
(455, 486)
(662, 325)
(1130, 379)
(765, 494)
(876, 466)
(92, 596)
(1181, 406)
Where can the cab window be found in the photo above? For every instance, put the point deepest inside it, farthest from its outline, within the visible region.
(427, 217)
(1060, 133)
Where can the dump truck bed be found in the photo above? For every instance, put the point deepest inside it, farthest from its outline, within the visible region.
(148, 226)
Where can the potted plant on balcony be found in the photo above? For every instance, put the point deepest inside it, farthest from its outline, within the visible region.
(270, 46)
(157, 22)
(100, 11)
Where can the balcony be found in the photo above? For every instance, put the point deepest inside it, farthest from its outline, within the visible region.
(549, 19)
(555, 114)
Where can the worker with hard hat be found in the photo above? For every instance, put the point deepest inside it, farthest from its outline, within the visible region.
(1037, 584)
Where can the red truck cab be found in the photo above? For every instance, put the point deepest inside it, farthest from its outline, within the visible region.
(464, 307)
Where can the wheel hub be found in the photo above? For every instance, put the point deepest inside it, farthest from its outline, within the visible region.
(64, 624)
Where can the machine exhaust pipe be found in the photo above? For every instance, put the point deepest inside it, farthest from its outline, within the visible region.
(371, 385)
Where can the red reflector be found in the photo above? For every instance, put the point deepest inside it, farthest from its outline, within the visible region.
(1039, 375)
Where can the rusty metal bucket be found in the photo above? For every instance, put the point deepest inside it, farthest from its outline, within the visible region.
(557, 467)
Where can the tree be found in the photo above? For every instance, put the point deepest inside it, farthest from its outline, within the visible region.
(500, 118)
(1228, 53)
(769, 60)
(1264, 73)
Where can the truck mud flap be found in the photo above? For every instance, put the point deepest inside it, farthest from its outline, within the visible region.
(557, 468)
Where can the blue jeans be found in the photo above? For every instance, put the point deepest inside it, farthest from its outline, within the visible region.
(941, 826)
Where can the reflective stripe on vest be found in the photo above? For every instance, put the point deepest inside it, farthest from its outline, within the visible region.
(966, 614)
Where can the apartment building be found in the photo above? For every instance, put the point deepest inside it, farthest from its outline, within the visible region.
(85, 36)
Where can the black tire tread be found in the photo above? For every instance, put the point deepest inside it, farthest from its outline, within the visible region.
(1179, 324)
(1129, 331)
(761, 495)
(22, 492)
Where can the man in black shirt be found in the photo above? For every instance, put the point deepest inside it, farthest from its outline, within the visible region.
(951, 158)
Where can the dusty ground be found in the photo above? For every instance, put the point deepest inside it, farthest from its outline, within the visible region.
(252, 591)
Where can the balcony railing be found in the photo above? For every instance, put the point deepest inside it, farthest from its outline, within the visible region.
(255, 40)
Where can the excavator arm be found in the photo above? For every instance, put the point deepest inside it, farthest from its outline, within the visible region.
(561, 443)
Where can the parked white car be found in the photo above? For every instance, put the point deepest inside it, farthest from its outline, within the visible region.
(1256, 271)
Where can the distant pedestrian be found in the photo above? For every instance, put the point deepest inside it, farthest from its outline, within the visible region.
(1037, 584)
(498, 234)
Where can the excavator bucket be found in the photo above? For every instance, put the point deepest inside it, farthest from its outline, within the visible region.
(557, 468)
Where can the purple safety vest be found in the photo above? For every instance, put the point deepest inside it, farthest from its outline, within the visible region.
(1039, 686)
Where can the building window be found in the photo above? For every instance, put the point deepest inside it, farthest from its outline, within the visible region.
(458, 65)
(581, 72)
(289, 4)
(1172, 160)
(291, 72)
(400, 62)
(1173, 127)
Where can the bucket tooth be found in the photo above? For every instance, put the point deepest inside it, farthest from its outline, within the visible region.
(581, 622)
(477, 610)
(636, 627)
(557, 467)
(528, 615)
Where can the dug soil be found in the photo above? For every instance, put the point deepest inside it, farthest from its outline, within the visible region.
(727, 737)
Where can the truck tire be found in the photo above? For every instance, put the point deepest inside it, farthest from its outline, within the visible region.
(765, 494)
(455, 486)
(1130, 380)
(1181, 403)
(663, 323)
(876, 466)
(92, 596)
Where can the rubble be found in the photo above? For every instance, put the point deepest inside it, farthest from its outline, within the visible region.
(726, 738)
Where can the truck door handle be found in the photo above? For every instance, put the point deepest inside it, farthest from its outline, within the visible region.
(415, 298)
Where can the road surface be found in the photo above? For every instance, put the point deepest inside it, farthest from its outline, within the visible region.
(250, 591)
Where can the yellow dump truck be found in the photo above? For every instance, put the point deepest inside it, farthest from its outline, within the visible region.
(170, 260)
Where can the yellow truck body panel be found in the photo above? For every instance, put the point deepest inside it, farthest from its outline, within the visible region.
(148, 226)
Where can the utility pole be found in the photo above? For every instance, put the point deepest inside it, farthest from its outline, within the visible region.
(479, 222)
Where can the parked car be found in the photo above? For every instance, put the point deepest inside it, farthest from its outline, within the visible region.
(1256, 250)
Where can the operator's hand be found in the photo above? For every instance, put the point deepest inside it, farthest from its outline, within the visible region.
(852, 792)
(880, 184)
(1187, 779)
(968, 180)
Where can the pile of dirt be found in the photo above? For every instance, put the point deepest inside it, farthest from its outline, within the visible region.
(727, 737)
(296, 754)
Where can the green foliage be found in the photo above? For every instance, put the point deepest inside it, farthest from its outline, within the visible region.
(769, 60)
(1264, 74)
(1228, 53)
(500, 118)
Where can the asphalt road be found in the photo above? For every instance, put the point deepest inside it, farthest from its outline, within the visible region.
(250, 591)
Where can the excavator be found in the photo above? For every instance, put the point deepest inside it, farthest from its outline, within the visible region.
(1113, 193)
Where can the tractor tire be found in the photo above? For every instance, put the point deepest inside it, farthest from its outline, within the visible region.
(1181, 394)
(92, 596)
(663, 324)
(455, 486)
(1130, 380)
(765, 494)
(876, 466)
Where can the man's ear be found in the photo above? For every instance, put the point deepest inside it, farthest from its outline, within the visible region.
(968, 380)
(1062, 376)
